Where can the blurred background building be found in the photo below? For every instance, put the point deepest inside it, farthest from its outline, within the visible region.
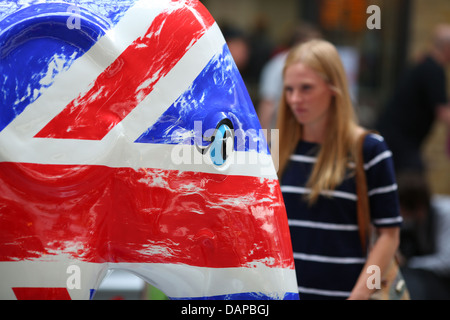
(376, 57)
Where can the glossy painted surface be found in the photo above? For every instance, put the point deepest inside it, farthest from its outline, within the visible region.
(128, 140)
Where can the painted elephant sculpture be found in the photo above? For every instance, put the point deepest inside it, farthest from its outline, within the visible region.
(128, 141)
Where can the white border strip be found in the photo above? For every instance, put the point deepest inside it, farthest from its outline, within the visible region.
(183, 281)
(177, 280)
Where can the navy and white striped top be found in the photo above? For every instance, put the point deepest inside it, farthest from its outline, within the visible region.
(325, 239)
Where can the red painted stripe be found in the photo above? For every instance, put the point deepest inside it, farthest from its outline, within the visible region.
(131, 77)
(101, 214)
(41, 293)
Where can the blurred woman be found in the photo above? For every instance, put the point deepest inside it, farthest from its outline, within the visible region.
(318, 133)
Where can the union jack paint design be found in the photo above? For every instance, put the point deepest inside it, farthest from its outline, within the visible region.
(128, 141)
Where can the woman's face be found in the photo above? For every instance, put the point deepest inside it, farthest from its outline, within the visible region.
(308, 95)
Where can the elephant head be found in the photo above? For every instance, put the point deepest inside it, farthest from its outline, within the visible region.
(128, 141)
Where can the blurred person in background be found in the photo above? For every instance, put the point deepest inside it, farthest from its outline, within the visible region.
(261, 48)
(419, 99)
(238, 44)
(424, 240)
(417, 102)
(271, 79)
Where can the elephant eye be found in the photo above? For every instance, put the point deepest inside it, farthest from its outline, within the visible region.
(222, 144)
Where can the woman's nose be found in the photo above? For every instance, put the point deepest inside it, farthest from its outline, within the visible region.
(297, 96)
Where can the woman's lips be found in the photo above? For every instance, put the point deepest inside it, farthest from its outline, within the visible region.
(300, 110)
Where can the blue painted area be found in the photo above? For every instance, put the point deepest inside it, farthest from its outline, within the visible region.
(36, 44)
(245, 296)
(91, 294)
(217, 93)
(219, 144)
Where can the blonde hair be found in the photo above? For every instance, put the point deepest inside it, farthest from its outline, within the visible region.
(337, 147)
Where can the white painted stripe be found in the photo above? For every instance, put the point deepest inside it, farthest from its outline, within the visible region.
(51, 273)
(169, 88)
(331, 293)
(158, 156)
(328, 259)
(187, 281)
(322, 225)
(176, 280)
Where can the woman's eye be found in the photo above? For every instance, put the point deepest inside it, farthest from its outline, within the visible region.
(222, 145)
(306, 87)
